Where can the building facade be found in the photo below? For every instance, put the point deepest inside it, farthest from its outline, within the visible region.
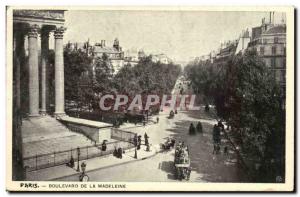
(162, 58)
(269, 40)
(133, 56)
(114, 53)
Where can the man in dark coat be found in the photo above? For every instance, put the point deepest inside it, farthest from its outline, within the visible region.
(199, 127)
(139, 142)
(146, 139)
(103, 146)
(215, 133)
(120, 152)
(192, 129)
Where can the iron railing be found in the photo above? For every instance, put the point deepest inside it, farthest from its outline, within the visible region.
(41, 161)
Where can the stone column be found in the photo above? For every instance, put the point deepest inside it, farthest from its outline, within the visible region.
(19, 55)
(33, 71)
(59, 72)
(44, 65)
(16, 68)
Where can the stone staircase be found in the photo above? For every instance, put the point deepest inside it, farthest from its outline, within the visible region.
(45, 134)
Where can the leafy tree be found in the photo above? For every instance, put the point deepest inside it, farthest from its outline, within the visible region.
(245, 94)
(257, 113)
(103, 74)
(76, 64)
(147, 77)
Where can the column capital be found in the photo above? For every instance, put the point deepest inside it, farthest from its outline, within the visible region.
(33, 31)
(59, 32)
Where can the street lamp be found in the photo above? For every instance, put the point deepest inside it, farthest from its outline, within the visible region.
(78, 155)
(135, 153)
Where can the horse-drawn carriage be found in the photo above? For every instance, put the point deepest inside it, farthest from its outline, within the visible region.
(182, 162)
(168, 144)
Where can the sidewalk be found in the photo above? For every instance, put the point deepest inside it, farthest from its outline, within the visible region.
(57, 172)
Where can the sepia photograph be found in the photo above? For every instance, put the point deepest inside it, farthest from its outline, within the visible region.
(150, 98)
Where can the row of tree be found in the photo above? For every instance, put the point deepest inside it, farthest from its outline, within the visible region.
(87, 76)
(245, 94)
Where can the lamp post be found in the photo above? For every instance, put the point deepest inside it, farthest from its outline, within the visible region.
(135, 153)
(78, 155)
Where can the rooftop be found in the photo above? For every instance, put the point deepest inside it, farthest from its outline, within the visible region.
(280, 29)
(99, 49)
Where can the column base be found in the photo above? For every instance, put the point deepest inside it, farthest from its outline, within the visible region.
(33, 115)
(59, 114)
(43, 112)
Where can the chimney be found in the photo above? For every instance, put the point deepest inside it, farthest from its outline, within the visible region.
(282, 18)
(270, 18)
(103, 43)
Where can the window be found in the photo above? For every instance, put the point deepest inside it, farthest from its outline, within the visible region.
(273, 50)
(283, 50)
(265, 41)
(283, 76)
(262, 51)
(280, 76)
(275, 40)
(273, 62)
(283, 63)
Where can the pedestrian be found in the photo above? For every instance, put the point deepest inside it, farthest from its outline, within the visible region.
(220, 124)
(103, 146)
(115, 153)
(148, 148)
(71, 164)
(157, 119)
(225, 150)
(120, 152)
(216, 133)
(192, 129)
(139, 142)
(146, 139)
(206, 108)
(199, 127)
(173, 143)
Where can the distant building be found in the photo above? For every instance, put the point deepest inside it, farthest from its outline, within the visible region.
(114, 53)
(227, 50)
(133, 56)
(243, 42)
(269, 40)
(162, 58)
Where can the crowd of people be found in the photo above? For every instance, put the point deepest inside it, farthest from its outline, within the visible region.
(216, 135)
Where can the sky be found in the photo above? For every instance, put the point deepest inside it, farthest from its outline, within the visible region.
(178, 34)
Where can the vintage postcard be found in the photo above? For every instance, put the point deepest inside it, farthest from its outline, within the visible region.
(150, 99)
